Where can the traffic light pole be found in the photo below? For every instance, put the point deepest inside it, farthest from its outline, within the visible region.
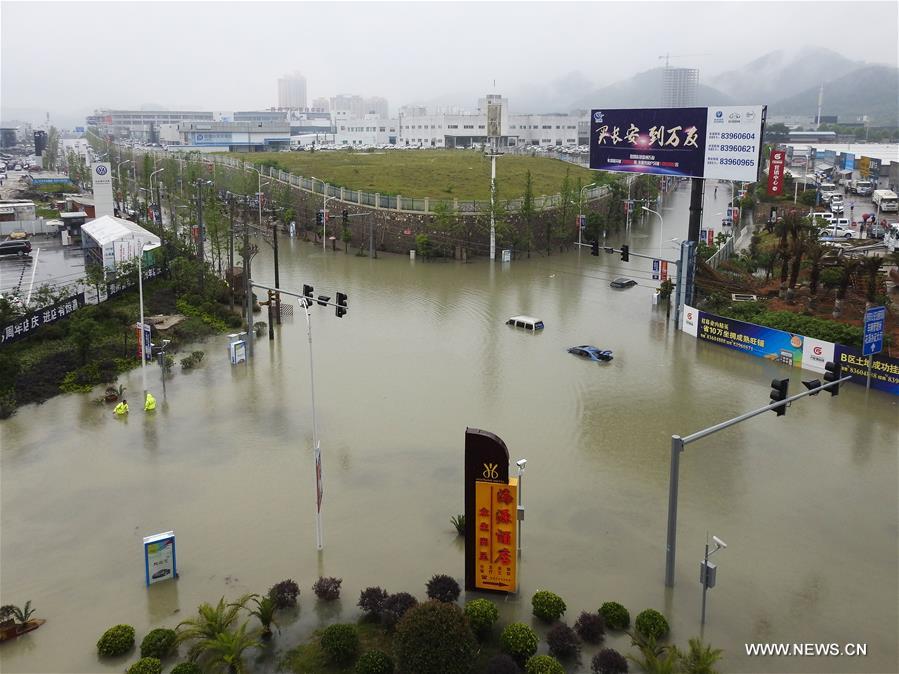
(677, 446)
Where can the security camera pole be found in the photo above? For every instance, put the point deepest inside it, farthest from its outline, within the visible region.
(708, 572)
(520, 515)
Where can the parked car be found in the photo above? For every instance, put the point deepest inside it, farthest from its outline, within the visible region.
(837, 231)
(525, 322)
(15, 247)
(591, 352)
(17, 235)
(876, 231)
(623, 282)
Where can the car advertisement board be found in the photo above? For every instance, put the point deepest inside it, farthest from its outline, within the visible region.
(160, 562)
(718, 143)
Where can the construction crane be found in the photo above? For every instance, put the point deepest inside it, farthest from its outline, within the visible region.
(680, 56)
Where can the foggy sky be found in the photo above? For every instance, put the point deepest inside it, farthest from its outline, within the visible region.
(70, 58)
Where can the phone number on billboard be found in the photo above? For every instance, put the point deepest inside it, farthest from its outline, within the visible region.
(729, 161)
(737, 136)
(737, 148)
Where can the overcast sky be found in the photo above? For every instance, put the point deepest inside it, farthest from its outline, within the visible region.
(70, 57)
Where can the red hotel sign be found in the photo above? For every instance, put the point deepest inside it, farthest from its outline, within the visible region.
(776, 172)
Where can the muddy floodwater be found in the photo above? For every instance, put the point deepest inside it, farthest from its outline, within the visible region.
(807, 503)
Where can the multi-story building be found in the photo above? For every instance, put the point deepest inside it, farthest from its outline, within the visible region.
(351, 104)
(141, 125)
(292, 92)
(370, 130)
(233, 136)
(266, 116)
(378, 106)
(679, 87)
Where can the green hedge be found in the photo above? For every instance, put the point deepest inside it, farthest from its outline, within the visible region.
(115, 641)
(797, 324)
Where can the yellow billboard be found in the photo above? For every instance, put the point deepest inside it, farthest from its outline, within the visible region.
(496, 508)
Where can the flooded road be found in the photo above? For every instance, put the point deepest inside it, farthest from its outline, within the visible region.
(807, 503)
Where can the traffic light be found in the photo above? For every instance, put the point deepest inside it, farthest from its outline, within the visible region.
(340, 311)
(625, 252)
(323, 300)
(307, 293)
(320, 218)
(779, 392)
(346, 217)
(594, 248)
(832, 372)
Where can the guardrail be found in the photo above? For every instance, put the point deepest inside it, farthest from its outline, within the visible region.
(381, 201)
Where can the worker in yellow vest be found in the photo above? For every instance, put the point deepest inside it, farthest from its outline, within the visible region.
(121, 409)
(149, 403)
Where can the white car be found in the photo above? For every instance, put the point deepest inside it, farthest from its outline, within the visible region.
(829, 217)
(838, 232)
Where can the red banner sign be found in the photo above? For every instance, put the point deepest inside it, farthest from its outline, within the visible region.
(776, 172)
(663, 275)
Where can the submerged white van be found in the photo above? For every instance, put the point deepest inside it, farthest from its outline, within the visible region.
(526, 323)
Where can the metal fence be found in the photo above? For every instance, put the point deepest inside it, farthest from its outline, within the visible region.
(33, 227)
(398, 202)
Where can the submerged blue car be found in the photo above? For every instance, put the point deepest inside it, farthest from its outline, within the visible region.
(591, 352)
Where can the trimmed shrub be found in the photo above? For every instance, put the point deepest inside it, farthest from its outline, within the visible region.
(395, 607)
(434, 637)
(608, 661)
(615, 616)
(590, 627)
(187, 668)
(158, 643)
(502, 664)
(443, 588)
(327, 588)
(519, 641)
(374, 662)
(651, 623)
(284, 594)
(146, 666)
(340, 643)
(115, 641)
(371, 599)
(544, 664)
(547, 605)
(562, 641)
(481, 614)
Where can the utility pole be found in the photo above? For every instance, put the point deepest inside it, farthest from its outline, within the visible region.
(200, 251)
(277, 297)
(248, 290)
(231, 249)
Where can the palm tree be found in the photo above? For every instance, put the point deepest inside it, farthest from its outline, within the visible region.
(655, 659)
(871, 266)
(815, 256)
(210, 622)
(265, 611)
(699, 659)
(224, 653)
(20, 615)
(850, 266)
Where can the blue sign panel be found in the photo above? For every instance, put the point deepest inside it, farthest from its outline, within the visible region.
(848, 161)
(873, 341)
(757, 340)
(665, 141)
(79, 129)
(160, 562)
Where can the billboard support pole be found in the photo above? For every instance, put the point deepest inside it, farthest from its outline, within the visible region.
(696, 193)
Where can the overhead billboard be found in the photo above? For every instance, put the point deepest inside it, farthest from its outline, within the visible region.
(719, 143)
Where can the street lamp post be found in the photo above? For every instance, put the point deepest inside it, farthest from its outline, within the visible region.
(661, 227)
(709, 572)
(140, 289)
(158, 204)
(580, 211)
(324, 208)
(121, 189)
(317, 455)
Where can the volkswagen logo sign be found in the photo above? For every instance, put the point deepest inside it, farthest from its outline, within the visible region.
(101, 170)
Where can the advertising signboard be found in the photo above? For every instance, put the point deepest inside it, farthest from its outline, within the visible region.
(776, 172)
(663, 273)
(144, 347)
(718, 143)
(884, 370)
(691, 321)
(23, 325)
(160, 562)
(655, 270)
(848, 161)
(815, 353)
(491, 501)
(496, 506)
(101, 174)
(757, 340)
(711, 240)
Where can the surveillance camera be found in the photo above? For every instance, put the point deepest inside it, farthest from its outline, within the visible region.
(719, 542)
(520, 463)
